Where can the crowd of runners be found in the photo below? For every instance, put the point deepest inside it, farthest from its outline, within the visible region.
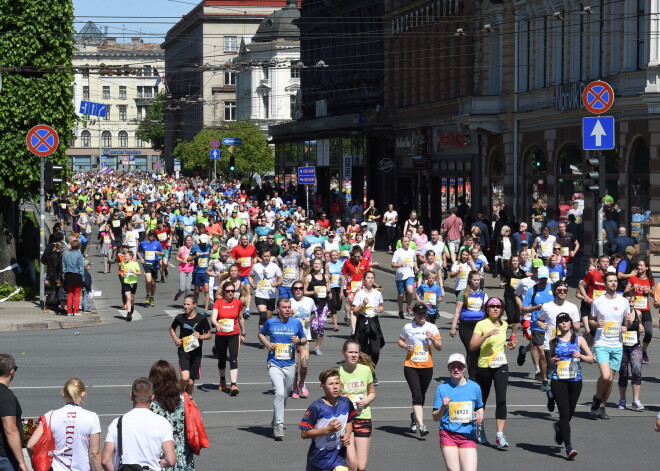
(236, 248)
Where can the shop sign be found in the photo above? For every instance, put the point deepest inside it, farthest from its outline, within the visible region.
(409, 142)
(348, 167)
(453, 140)
(569, 97)
(386, 165)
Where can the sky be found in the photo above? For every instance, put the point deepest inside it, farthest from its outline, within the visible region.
(150, 19)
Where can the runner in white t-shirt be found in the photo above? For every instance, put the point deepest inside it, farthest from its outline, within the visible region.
(264, 278)
(405, 263)
(549, 311)
(461, 269)
(302, 308)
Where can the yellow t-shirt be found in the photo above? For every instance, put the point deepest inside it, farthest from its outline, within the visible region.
(491, 354)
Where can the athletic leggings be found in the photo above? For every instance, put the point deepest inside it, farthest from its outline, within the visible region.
(334, 303)
(418, 380)
(500, 377)
(224, 343)
(647, 321)
(566, 394)
(465, 331)
(632, 356)
(318, 322)
(185, 280)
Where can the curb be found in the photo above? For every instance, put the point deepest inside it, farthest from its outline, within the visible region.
(72, 323)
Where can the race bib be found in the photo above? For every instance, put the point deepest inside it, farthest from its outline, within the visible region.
(567, 369)
(355, 285)
(408, 262)
(162, 236)
(554, 276)
(597, 293)
(354, 398)
(344, 254)
(283, 351)
(641, 302)
(264, 285)
(546, 248)
(188, 228)
(290, 272)
(63, 205)
(334, 279)
(630, 338)
(463, 274)
(106, 239)
(460, 412)
(313, 247)
(497, 359)
(116, 223)
(320, 292)
(430, 299)
(514, 282)
(226, 325)
(190, 343)
(245, 262)
(149, 255)
(370, 311)
(611, 329)
(564, 252)
(420, 354)
(474, 303)
(203, 262)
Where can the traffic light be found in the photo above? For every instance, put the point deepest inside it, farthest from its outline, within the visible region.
(232, 164)
(592, 176)
(52, 175)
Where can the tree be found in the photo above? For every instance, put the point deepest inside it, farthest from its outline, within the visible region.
(254, 155)
(36, 38)
(152, 128)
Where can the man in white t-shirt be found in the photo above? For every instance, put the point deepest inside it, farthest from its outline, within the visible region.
(438, 247)
(391, 219)
(610, 315)
(549, 311)
(145, 436)
(405, 263)
(264, 278)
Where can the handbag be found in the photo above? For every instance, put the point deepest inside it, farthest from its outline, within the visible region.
(195, 431)
(62, 293)
(125, 467)
(42, 455)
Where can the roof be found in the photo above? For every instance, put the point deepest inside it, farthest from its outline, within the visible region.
(280, 24)
(90, 34)
(129, 47)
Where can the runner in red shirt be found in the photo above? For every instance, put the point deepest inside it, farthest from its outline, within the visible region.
(245, 254)
(353, 270)
(642, 285)
(590, 288)
(164, 236)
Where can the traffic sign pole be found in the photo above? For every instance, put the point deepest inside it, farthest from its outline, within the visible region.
(42, 236)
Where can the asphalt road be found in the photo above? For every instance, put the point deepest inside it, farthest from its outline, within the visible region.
(110, 356)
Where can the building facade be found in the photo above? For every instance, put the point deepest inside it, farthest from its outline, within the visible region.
(122, 76)
(200, 76)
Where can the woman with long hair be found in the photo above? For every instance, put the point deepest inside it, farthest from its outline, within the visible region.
(367, 303)
(642, 285)
(356, 375)
(73, 272)
(185, 267)
(168, 402)
(76, 432)
(229, 333)
(317, 286)
(631, 361)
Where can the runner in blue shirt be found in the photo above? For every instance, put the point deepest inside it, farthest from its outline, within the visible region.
(148, 252)
(430, 293)
(281, 335)
(201, 255)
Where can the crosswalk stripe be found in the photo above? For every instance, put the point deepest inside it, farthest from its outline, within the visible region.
(136, 315)
(172, 312)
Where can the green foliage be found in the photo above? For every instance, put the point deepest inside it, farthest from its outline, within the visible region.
(25, 293)
(35, 34)
(152, 128)
(253, 156)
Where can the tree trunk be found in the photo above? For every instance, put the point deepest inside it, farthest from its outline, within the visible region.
(9, 228)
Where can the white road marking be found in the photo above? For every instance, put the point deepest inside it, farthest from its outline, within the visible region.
(173, 266)
(97, 293)
(172, 312)
(136, 315)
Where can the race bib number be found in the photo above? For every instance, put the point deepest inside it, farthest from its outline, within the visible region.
(554, 276)
(290, 272)
(149, 255)
(567, 369)
(430, 299)
(408, 262)
(283, 351)
(497, 359)
(546, 248)
(514, 282)
(463, 274)
(334, 279)
(162, 236)
(641, 302)
(597, 293)
(245, 262)
(474, 303)
(460, 412)
(611, 329)
(320, 292)
(355, 398)
(344, 254)
(564, 252)
(226, 325)
(370, 311)
(419, 354)
(190, 343)
(355, 285)
(188, 228)
(203, 262)
(116, 223)
(264, 285)
(630, 338)
(106, 239)
(63, 205)
(313, 247)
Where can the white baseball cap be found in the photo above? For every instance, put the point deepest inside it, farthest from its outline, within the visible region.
(204, 239)
(456, 357)
(543, 272)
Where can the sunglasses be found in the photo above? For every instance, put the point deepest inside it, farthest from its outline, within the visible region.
(297, 287)
(230, 291)
(561, 290)
(457, 367)
(497, 305)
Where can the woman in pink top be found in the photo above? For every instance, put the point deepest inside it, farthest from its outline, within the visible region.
(185, 267)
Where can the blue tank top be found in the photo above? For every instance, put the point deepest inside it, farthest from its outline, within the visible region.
(473, 307)
(568, 368)
(335, 269)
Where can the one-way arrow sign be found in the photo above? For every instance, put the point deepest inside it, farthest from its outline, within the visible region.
(598, 133)
(215, 153)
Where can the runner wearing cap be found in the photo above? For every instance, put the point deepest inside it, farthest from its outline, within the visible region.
(567, 350)
(458, 407)
(610, 317)
(489, 338)
(148, 253)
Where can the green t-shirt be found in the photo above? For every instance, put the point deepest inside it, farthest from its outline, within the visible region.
(413, 245)
(493, 346)
(344, 250)
(356, 383)
(151, 223)
(130, 267)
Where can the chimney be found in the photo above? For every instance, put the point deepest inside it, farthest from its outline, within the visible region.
(135, 40)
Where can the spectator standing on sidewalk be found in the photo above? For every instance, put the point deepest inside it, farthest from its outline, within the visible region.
(11, 438)
(371, 217)
(391, 219)
(451, 231)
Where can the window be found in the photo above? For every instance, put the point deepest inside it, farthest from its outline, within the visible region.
(86, 139)
(230, 44)
(147, 71)
(106, 138)
(138, 142)
(145, 92)
(107, 113)
(122, 92)
(141, 112)
(295, 70)
(122, 112)
(266, 101)
(230, 77)
(292, 106)
(106, 92)
(85, 92)
(123, 139)
(569, 176)
(230, 111)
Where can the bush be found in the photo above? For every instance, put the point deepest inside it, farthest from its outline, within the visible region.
(25, 293)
